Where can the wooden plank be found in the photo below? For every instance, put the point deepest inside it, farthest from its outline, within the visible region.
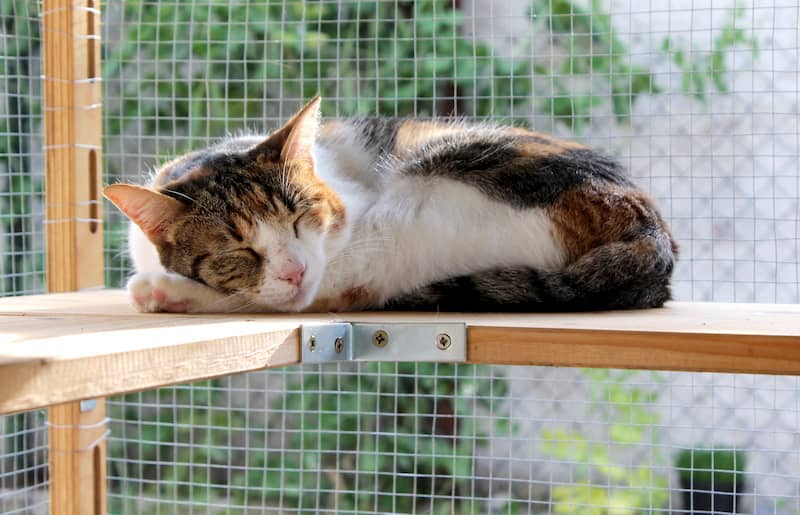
(76, 439)
(73, 143)
(82, 357)
(73, 228)
(644, 350)
(678, 317)
(51, 352)
(86, 302)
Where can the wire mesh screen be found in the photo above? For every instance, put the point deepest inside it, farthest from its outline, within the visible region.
(699, 99)
(422, 438)
(21, 163)
(23, 438)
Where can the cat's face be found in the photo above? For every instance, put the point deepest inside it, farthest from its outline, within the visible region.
(254, 222)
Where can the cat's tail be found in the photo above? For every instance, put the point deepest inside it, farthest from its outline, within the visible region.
(620, 275)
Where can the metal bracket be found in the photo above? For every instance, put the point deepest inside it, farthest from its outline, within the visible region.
(446, 342)
(326, 342)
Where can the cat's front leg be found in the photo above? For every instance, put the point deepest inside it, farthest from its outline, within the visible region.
(160, 292)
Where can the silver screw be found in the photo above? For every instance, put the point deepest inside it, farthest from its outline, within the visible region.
(443, 341)
(312, 344)
(338, 345)
(380, 338)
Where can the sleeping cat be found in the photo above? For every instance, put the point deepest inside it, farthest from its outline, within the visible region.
(387, 213)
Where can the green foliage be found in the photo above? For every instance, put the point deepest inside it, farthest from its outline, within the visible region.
(290, 49)
(22, 268)
(712, 467)
(704, 71)
(117, 262)
(592, 49)
(632, 490)
(363, 435)
(371, 57)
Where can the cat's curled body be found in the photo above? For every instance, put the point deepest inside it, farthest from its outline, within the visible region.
(396, 214)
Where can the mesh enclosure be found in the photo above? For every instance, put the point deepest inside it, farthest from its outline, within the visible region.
(21, 150)
(699, 99)
(424, 438)
(23, 437)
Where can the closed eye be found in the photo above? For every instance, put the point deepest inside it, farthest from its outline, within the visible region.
(253, 253)
(296, 223)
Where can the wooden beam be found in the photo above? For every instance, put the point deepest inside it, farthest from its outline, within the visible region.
(73, 228)
(76, 434)
(57, 348)
(73, 144)
(55, 358)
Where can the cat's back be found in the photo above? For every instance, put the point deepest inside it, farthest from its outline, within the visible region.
(409, 138)
(586, 195)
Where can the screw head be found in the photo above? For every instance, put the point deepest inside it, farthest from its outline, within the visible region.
(312, 344)
(338, 345)
(380, 338)
(443, 341)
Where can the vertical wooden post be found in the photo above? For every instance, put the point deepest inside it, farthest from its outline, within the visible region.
(77, 436)
(74, 231)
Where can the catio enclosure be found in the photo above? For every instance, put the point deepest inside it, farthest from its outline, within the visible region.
(693, 408)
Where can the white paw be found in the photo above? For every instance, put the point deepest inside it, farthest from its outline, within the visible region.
(167, 293)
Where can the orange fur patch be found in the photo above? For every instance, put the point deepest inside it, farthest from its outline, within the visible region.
(354, 299)
(595, 214)
(413, 134)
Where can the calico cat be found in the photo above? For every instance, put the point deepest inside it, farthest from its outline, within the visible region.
(387, 213)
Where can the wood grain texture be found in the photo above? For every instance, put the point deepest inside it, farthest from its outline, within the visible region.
(644, 350)
(61, 347)
(58, 358)
(74, 235)
(73, 142)
(77, 447)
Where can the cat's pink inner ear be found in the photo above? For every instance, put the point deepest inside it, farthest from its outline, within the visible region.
(303, 132)
(153, 212)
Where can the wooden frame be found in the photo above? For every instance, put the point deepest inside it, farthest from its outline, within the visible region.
(59, 349)
(74, 233)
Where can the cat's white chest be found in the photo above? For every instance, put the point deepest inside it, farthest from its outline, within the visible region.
(143, 252)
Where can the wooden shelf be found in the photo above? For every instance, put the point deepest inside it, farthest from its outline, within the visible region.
(62, 347)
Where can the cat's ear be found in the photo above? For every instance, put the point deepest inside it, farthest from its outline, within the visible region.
(153, 212)
(295, 140)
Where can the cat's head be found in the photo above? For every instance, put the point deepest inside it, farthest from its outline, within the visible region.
(253, 221)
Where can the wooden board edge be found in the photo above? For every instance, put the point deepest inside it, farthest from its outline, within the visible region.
(641, 350)
(37, 384)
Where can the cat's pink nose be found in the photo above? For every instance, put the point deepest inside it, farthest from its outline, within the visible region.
(292, 272)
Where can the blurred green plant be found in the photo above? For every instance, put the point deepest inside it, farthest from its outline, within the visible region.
(591, 49)
(703, 71)
(22, 266)
(230, 59)
(627, 490)
(721, 468)
(362, 437)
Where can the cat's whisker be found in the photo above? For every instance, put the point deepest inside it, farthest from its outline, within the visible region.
(187, 197)
(303, 190)
(357, 243)
(243, 307)
(226, 299)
